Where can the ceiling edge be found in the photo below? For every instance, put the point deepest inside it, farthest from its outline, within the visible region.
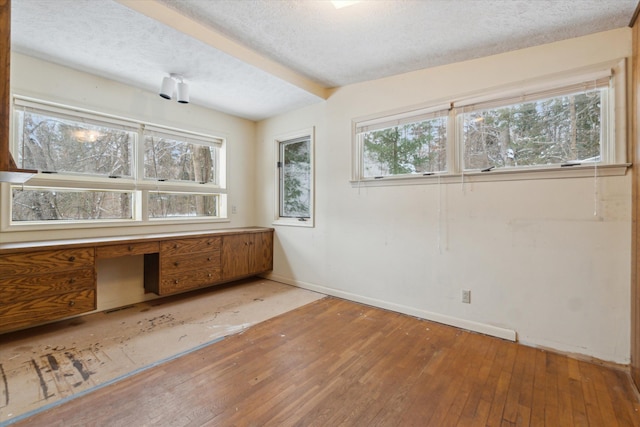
(171, 18)
(634, 18)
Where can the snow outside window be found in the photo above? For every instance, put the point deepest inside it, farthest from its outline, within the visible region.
(295, 180)
(564, 128)
(110, 171)
(524, 130)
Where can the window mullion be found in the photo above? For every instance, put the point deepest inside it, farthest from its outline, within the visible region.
(454, 143)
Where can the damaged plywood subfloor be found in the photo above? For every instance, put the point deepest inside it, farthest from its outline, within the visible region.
(45, 366)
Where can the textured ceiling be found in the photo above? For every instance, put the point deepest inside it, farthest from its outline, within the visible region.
(292, 45)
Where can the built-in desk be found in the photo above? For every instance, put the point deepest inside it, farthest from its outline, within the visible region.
(49, 280)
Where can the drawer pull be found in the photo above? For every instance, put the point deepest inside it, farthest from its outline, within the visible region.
(72, 258)
(176, 263)
(72, 280)
(208, 243)
(72, 303)
(175, 246)
(210, 274)
(130, 248)
(175, 281)
(208, 258)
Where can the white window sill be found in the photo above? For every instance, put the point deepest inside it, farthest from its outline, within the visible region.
(294, 222)
(551, 172)
(108, 224)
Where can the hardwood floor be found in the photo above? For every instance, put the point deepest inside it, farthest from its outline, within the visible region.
(338, 363)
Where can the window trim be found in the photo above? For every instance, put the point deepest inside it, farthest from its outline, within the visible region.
(286, 221)
(615, 149)
(385, 122)
(136, 184)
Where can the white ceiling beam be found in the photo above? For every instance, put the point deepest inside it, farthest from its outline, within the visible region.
(217, 40)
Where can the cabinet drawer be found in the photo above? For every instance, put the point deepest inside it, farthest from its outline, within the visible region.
(22, 288)
(114, 251)
(186, 263)
(26, 313)
(191, 245)
(46, 261)
(172, 283)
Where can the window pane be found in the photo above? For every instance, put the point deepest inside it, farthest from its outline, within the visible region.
(545, 132)
(413, 148)
(173, 160)
(70, 205)
(175, 205)
(295, 179)
(62, 145)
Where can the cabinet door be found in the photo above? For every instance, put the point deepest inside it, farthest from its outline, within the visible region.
(235, 255)
(261, 256)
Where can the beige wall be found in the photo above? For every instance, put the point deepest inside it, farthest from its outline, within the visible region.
(536, 259)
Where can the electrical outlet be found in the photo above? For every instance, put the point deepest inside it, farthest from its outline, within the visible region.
(466, 296)
(234, 209)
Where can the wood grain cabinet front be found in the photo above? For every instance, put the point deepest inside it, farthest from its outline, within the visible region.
(246, 254)
(41, 286)
(126, 249)
(182, 265)
(47, 282)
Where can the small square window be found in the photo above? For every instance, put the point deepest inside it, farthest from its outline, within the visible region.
(414, 148)
(170, 158)
(182, 205)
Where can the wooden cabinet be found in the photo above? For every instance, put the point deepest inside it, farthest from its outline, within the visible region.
(127, 249)
(47, 285)
(246, 254)
(45, 281)
(182, 265)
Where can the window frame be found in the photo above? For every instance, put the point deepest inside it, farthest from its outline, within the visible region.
(614, 150)
(137, 183)
(408, 117)
(308, 133)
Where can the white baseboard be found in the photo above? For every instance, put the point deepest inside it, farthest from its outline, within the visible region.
(482, 328)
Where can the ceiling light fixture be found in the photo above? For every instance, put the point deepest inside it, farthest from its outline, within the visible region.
(339, 4)
(169, 87)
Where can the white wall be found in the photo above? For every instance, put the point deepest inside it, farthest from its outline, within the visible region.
(120, 282)
(536, 259)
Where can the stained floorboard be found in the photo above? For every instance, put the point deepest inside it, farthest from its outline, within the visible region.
(338, 363)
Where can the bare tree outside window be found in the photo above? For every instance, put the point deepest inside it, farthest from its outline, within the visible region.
(49, 143)
(171, 205)
(69, 205)
(97, 168)
(173, 160)
(545, 132)
(62, 145)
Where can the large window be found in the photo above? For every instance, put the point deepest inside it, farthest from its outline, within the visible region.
(536, 128)
(558, 127)
(54, 142)
(295, 179)
(102, 169)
